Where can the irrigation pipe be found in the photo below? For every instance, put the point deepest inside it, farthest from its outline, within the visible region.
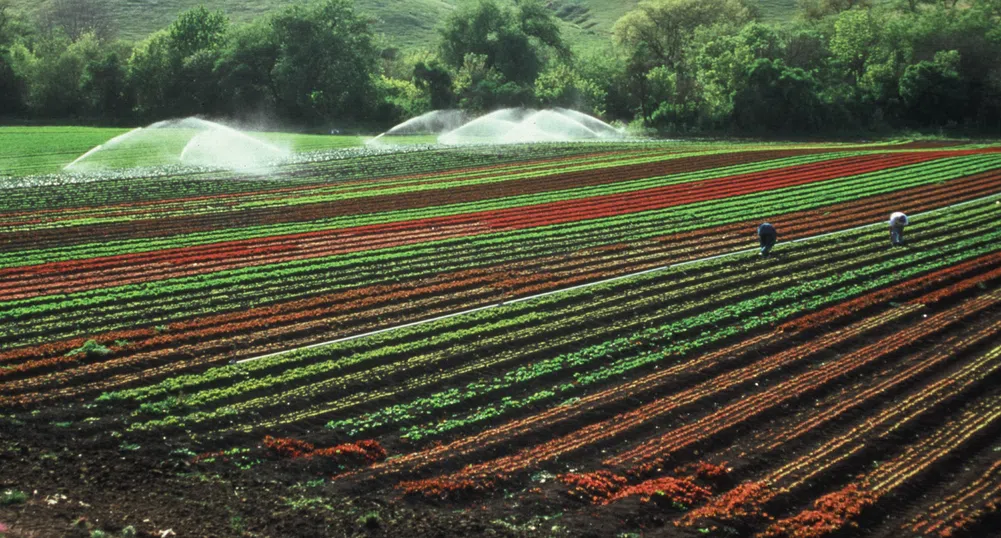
(600, 282)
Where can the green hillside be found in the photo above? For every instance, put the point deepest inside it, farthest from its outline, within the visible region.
(401, 23)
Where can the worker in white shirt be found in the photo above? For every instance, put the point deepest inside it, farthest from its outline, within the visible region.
(897, 222)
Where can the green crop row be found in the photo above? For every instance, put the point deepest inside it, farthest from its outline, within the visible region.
(334, 192)
(146, 185)
(238, 286)
(31, 257)
(831, 284)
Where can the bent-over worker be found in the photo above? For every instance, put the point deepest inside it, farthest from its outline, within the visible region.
(897, 222)
(767, 235)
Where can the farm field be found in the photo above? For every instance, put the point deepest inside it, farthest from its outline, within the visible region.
(544, 340)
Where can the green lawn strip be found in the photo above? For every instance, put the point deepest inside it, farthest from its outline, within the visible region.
(32, 257)
(835, 286)
(713, 212)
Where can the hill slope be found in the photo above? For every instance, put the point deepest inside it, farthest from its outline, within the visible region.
(401, 23)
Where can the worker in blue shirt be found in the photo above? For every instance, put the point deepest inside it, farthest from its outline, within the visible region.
(768, 236)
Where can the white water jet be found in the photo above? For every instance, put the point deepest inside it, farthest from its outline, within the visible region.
(429, 123)
(188, 141)
(521, 126)
(220, 146)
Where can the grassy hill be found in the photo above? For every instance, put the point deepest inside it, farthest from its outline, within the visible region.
(401, 23)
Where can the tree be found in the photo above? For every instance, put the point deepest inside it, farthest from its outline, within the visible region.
(53, 71)
(11, 86)
(719, 56)
(104, 87)
(663, 28)
(151, 76)
(4, 21)
(172, 71)
(933, 90)
(244, 71)
(435, 80)
(564, 86)
(778, 98)
(856, 39)
(325, 62)
(196, 30)
(513, 43)
(659, 33)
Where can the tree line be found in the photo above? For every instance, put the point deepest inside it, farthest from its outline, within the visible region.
(677, 66)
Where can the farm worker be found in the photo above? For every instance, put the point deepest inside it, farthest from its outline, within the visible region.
(767, 235)
(897, 222)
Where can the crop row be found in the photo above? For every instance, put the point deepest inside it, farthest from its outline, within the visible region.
(283, 240)
(312, 194)
(320, 169)
(841, 508)
(540, 368)
(602, 231)
(96, 368)
(962, 508)
(917, 199)
(900, 413)
(442, 207)
(478, 441)
(652, 454)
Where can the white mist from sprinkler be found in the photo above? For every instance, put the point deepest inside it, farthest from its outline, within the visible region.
(435, 122)
(189, 141)
(504, 126)
(220, 146)
(524, 126)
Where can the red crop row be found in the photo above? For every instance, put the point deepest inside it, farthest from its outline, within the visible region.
(372, 204)
(466, 173)
(961, 509)
(834, 512)
(363, 452)
(221, 256)
(552, 416)
(830, 513)
(650, 454)
(834, 169)
(681, 490)
(618, 425)
(148, 270)
(787, 477)
(596, 487)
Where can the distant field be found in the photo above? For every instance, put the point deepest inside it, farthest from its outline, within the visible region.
(400, 23)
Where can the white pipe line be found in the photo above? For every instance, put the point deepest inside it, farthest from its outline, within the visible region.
(599, 282)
